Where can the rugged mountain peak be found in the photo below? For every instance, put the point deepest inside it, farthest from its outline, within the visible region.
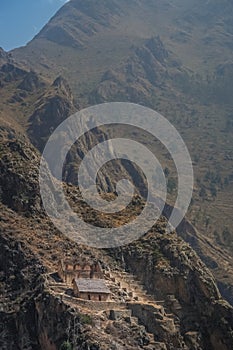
(78, 20)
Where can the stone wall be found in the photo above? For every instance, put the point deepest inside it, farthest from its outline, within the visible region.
(94, 305)
(153, 318)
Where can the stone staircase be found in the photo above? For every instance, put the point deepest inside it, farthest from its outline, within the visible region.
(131, 289)
(134, 293)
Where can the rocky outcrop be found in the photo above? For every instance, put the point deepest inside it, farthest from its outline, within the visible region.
(19, 168)
(51, 112)
(61, 36)
(55, 105)
(156, 47)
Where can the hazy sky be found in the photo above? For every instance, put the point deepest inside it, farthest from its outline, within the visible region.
(20, 20)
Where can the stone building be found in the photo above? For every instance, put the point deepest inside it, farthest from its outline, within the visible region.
(91, 289)
(69, 270)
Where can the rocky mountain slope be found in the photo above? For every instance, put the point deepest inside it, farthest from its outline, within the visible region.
(36, 313)
(179, 306)
(177, 61)
(191, 29)
(106, 52)
(41, 105)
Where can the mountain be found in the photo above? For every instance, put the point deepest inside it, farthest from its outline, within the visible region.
(174, 56)
(177, 61)
(104, 34)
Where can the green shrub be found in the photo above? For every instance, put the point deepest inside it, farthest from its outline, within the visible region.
(66, 346)
(85, 319)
